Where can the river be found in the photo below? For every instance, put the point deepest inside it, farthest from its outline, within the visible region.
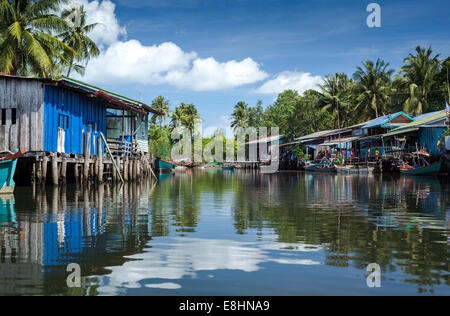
(229, 233)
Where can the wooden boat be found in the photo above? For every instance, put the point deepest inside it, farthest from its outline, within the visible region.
(347, 169)
(422, 171)
(7, 171)
(165, 166)
(230, 167)
(311, 166)
(327, 169)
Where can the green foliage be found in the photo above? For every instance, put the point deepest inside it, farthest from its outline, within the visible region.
(27, 44)
(185, 115)
(76, 37)
(418, 76)
(373, 89)
(160, 141)
(299, 154)
(162, 106)
(297, 115)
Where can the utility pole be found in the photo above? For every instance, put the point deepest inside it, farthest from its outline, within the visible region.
(448, 112)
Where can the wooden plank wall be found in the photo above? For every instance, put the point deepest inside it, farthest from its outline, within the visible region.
(27, 96)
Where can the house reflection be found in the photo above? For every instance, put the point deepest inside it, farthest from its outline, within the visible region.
(83, 225)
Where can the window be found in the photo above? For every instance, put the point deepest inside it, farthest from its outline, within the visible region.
(3, 116)
(63, 121)
(13, 116)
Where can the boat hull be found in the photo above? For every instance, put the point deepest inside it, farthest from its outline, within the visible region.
(425, 171)
(229, 168)
(325, 169)
(165, 166)
(7, 171)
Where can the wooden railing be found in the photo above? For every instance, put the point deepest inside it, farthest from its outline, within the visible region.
(124, 148)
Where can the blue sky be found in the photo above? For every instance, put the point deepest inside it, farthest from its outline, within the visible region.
(190, 46)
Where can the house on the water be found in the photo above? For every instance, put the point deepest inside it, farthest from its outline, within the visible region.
(67, 117)
(422, 134)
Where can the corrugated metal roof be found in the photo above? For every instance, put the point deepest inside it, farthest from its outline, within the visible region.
(385, 119)
(73, 84)
(110, 93)
(315, 135)
(424, 121)
(426, 115)
(266, 140)
(401, 132)
(340, 141)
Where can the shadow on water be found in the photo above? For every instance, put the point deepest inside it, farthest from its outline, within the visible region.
(229, 233)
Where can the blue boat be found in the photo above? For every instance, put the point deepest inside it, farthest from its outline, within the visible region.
(230, 168)
(165, 166)
(7, 171)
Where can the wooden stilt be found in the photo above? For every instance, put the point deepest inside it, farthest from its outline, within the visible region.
(55, 176)
(118, 166)
(64, 171)
(100, 159)
(76, 173)
(134, 169)
(125, 169)
(44, 169)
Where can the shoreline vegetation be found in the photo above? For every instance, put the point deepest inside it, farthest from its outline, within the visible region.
(36, 42)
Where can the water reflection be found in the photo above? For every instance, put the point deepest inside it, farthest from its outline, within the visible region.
(234, 233)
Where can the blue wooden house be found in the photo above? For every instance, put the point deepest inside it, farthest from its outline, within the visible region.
(63, 116)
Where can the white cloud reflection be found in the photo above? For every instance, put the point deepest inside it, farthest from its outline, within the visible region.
(184, 257)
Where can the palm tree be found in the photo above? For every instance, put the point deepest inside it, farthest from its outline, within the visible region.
(240, 116)
(373, 88)
(27, 45)
(77, 38)
(418, 76)
(177, 116)
(336, 96)
(162, 106)
(190, 118)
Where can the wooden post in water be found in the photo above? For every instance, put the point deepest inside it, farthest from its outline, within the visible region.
(76, 173)
(114, 172)
(44, 169)
(118, 165)
(55, 176)
(100, 159)
(64, 170)
(138, 168)
(125, 169)
(134, 169)
(130, 170)
(87, 153)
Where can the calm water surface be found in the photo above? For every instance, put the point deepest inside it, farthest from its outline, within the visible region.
(216, 233)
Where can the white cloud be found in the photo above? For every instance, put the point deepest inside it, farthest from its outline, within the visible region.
(300, 81)
(168, 64)
(103, 12)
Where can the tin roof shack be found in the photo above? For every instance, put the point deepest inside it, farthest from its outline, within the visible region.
(62, 117)
(422, 134)
(373, 142)
(127, 120)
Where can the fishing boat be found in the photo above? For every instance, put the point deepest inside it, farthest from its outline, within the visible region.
(7, 170)
(347, 169)
(165, 166)
(422, 171)
(326, 169)
(228, 167)
(311, 166)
